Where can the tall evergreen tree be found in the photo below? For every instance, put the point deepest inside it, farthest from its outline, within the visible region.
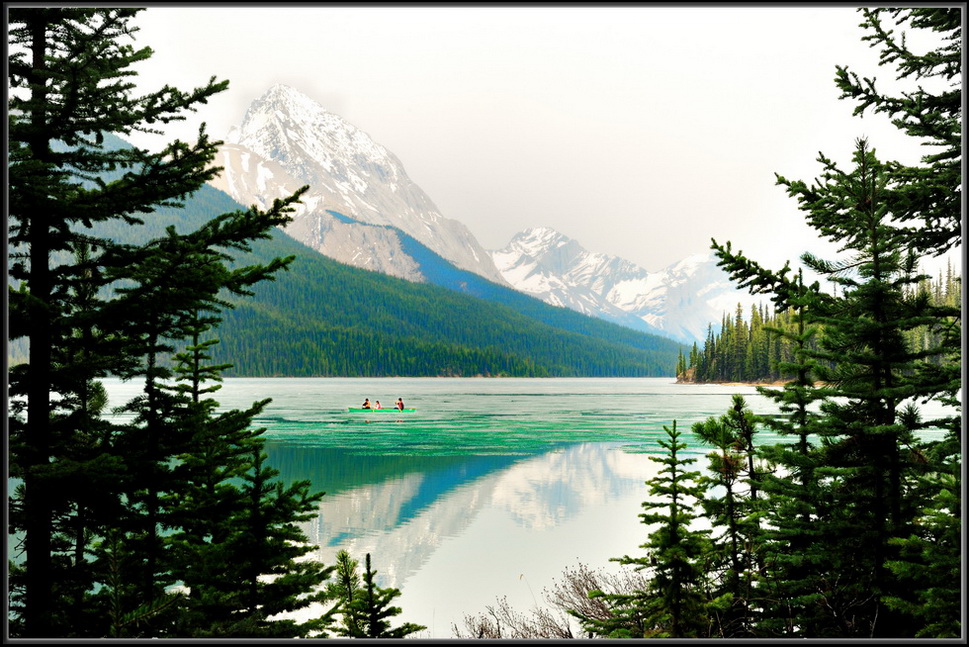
(731, 506)
(102, 507)
(67, 74)
(867, 461)
(236, 547)
(793, 552)
(926, 199)
(865, 335)
(867, 482)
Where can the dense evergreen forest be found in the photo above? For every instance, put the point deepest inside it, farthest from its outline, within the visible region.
(759, 347)
(325, 318)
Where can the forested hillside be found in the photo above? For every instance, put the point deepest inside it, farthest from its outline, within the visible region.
(323, 318)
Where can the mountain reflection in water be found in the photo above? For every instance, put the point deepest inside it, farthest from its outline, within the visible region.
(491, 509)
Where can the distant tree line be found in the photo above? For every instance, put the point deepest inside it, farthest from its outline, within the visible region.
(744, 350)
(760, 347)
(322, 348)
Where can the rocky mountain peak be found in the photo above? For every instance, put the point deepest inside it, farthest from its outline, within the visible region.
(538, 237)
(287, 139)
(313, 144)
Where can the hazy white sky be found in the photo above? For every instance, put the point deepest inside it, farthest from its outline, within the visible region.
(640, 131)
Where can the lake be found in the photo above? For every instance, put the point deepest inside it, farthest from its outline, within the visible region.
(491, 488)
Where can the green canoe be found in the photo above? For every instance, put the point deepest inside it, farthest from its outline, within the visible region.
(390, 410)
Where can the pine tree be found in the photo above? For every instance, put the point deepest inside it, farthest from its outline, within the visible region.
(374, 607)
(927, 196)
(237, 549)
(271, 553)
(731, 506)
(365, 608)
(864, 334)
(694, 357)
(881, 344)
(866, 460)
(793, 551)
(67, 78)
(674, 603)
(343, 590)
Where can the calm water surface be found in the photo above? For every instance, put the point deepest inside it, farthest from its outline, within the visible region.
(490, 489)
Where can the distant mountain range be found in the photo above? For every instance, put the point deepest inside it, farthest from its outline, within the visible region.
(327, 318)
(679, 302)
(383, 284)
(364, 211)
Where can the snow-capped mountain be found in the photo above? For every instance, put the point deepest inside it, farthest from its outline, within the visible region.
(360, 197)
(679, 302)
(363, 210)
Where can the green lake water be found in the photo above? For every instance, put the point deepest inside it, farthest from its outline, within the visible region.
(491, 488)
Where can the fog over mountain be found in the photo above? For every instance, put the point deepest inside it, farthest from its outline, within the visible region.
(361, 208)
